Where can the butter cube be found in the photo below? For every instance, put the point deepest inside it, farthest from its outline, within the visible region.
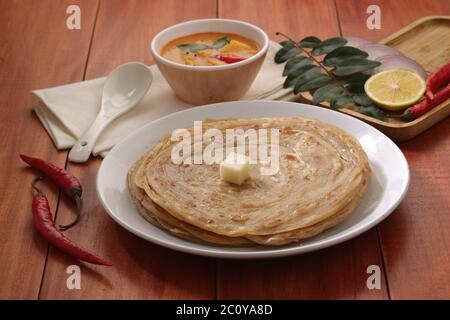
(235, 168)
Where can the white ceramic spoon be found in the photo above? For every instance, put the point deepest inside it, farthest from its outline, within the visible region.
(124, 88)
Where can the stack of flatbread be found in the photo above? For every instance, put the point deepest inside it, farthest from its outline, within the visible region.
(323, 173)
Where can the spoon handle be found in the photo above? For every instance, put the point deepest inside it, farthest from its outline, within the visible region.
(82, 149)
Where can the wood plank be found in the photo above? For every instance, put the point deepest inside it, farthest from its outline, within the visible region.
(394, 15)
(36, 50)
(335, 273)
(415, 238)
(141, 270)
(296, 18)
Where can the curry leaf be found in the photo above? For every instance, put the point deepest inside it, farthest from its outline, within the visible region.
(286, 53)
(314, 83)
(297, 72)
(327, 93)
(293, 79)
(192, 47)
(362, 100)
(336, 77)
(341, 54)
(287, 44)
(372, 111)
(219, 43)
(305, 77)
(354, 65)
(329, 45)
(341, 101)
(356, 83)
(296, 64)
(310, 42)
(289, 82)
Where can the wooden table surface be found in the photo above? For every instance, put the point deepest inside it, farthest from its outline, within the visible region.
(412, 246)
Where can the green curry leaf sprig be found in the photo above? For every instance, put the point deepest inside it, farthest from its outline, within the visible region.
(329, 68)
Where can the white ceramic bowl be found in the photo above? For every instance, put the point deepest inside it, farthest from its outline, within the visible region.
(208, 84)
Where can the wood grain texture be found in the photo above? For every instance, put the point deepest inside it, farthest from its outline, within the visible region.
(125, 29)
(35, 51)
(141, 270)
(415, 238)
(395, 14)
(297, 18)
(335, 273)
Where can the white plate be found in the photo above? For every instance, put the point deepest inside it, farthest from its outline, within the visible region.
(390, 177)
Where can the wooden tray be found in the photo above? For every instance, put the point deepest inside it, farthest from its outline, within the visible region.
(427, 41)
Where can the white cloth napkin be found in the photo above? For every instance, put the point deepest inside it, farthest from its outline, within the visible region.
(68, 111)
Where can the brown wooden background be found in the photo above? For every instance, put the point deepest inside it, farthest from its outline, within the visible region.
(412, 246)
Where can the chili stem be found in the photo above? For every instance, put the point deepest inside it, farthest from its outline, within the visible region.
(33, 184)
(77, 217)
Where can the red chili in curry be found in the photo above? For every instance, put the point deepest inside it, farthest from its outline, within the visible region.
(229, 59)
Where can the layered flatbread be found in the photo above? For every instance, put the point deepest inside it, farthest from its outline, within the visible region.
(323, 173)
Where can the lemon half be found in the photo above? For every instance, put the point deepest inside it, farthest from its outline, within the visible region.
(395, 89)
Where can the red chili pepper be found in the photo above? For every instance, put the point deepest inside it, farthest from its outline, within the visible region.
(426, 105)
(63, 179)
(437, 79)
(229, 59)
(44, 224)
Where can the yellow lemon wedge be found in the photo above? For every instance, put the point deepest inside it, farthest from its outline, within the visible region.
(395, 89)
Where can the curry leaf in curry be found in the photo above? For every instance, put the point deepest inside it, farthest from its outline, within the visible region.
(330, 70)
(192, 47)
(219, 43)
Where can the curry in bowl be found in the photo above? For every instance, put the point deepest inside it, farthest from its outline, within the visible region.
(209, 49)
